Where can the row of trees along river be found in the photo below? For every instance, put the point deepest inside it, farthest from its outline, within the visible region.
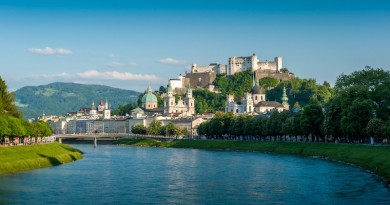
(156, 128)
(357, 108)
(12, 123)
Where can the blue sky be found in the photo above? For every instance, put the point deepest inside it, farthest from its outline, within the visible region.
(129, 44)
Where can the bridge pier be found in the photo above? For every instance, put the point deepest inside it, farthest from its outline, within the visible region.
(95, 142)
(60, 140)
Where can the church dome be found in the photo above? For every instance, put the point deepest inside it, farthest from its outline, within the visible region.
(258, 90)
(149, 97)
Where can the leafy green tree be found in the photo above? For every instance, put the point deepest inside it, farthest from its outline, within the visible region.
(268, 82)
(375, 128)
(162, 90)
(332, 116)
(171, 129)
(284, 70)
(355, 118)
(312, 119)
(386, 129)
(16, 127)
(138, 129)
(237, 84)
(124, 110)
(4, 128)
(7, 105)
(374, 82)
(154, 128)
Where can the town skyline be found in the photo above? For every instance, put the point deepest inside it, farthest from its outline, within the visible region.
(130, 44)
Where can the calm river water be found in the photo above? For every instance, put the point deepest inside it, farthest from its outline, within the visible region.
(134, 175)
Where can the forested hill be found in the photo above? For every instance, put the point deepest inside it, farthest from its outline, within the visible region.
(60, 98)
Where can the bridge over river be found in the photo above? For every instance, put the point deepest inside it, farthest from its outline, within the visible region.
(108, 137)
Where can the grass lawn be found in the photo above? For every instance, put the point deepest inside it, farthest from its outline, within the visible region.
(22, 158)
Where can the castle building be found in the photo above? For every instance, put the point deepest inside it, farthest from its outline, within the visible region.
(177, 83)
(185, 107)
(255, 102)
(213, 67)
(149, 100)
(252, 63)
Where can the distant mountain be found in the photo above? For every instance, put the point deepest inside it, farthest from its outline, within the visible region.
(60, 98)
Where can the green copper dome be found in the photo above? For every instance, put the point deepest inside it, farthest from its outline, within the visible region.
(149, 97)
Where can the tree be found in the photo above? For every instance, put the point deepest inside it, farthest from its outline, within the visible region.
(162, 90)
(138, 129)
(284, 70)
(375, 128)
(311, 119)
(171, 129)
(355, 118)
(295, 84)
(16, 127)
(268, 82)
(4, 128)
(6, 101)
(374, 83)
(154, 128)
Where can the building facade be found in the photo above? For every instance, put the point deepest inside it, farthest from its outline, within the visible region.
(186, 107)
(255, 102)
(149, 100)
(252, 63)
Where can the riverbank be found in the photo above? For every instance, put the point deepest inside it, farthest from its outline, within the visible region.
(373, 158)
(23, 158)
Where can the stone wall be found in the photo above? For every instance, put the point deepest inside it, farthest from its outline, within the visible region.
(279, 76)
(199, 79)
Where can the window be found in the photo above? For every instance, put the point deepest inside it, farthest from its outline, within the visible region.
(250, 109)
(261, 97)
(256, 97)
(236, 110)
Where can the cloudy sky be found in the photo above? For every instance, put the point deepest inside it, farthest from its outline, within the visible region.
(130, 44)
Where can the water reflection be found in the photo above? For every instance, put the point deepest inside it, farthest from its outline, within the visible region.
(131, 175)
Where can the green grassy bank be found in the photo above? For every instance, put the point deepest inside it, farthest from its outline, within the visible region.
(22, 158)
(373, 158)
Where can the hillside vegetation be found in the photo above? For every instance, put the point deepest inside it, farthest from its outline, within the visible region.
(60, 98)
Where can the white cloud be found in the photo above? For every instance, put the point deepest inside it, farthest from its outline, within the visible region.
(50, 51)
(58, 75)
(114, 75)
(172, 61)
(115, 64)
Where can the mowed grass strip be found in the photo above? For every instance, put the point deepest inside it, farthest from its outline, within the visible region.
(22, 158)
(373, 158)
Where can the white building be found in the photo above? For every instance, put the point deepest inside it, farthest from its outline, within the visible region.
(252, 63)
(176, 83)
(186, 107)
(255, 102)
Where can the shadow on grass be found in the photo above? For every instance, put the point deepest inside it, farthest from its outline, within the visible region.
(53, 161)
(72, 149)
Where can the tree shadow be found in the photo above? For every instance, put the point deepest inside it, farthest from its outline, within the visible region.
(52, 160)
(72, 149)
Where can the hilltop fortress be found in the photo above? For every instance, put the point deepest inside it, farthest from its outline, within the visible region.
(204, 76)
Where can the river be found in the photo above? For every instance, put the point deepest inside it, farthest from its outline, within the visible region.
(136, 175)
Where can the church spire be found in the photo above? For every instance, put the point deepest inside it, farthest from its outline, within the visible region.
(285, 98)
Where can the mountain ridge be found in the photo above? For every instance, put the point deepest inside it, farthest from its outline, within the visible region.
(58, 98)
